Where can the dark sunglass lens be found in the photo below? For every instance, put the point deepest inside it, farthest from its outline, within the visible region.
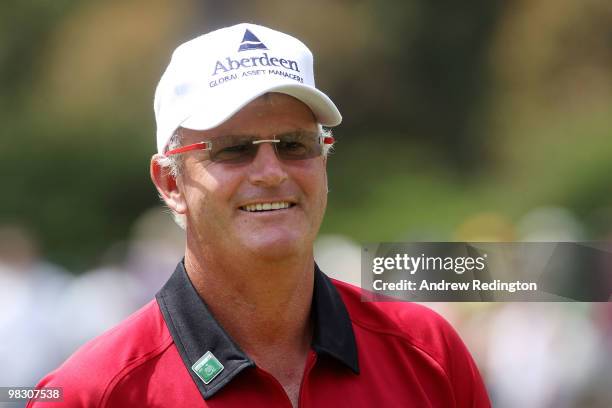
(242, 149)
(232, 150)
(299, 146)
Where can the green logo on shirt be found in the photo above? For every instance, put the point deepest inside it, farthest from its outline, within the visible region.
(207, 367)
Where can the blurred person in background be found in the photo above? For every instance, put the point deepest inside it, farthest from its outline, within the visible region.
(32, 338)
(248, 318)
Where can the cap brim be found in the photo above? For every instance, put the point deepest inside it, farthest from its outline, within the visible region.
(210, 115)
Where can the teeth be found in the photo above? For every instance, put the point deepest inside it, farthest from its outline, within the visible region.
(267, 206)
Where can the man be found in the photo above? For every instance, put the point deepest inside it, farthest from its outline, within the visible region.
(248, 319)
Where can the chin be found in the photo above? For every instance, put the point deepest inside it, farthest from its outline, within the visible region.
(275, 246)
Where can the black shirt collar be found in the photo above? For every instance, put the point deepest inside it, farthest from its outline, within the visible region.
(195, 331)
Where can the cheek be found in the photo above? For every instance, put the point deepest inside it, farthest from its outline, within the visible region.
(313, 181)
(213, 179)
(205, 187)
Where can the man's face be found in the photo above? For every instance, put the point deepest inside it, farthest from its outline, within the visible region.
(216, 194)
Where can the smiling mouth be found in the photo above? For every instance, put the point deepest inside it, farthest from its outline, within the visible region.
(273, 206)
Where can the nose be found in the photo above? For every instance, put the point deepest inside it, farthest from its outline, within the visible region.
(267, 170)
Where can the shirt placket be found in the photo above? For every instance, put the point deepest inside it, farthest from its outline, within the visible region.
(303, 395)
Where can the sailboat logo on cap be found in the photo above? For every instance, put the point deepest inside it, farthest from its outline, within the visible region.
(251, 42)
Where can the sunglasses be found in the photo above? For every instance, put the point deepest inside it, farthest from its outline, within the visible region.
(298, 145)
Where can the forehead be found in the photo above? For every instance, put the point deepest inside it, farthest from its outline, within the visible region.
(268, 114)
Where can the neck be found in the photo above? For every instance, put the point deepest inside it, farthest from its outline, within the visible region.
(263, 304)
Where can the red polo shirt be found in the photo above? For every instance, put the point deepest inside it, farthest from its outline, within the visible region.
(172, 353)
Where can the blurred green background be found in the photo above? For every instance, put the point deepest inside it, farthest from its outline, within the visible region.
(460, 118)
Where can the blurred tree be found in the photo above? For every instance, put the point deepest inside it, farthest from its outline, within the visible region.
(437, 80)
(77, 118)
(25, 28)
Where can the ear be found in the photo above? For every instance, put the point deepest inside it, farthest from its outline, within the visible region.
(167, 186)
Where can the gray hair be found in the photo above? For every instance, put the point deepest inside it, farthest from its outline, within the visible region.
(174, 164)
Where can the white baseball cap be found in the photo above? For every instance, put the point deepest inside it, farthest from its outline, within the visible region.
(213, 76)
